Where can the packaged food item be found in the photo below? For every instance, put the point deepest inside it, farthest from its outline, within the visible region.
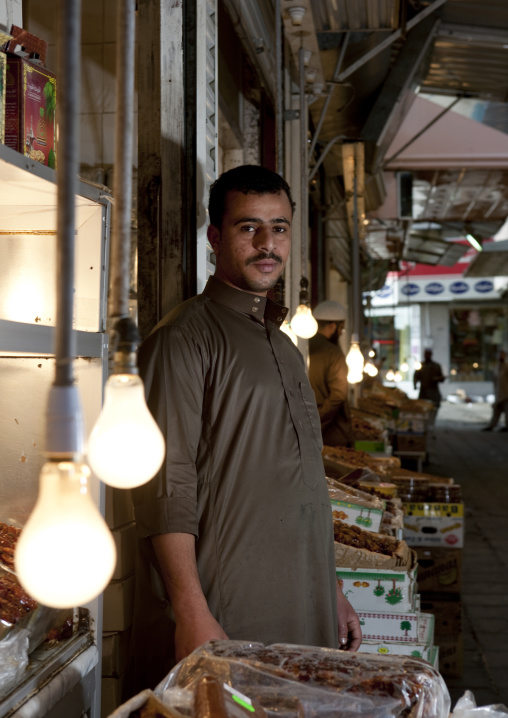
(30, 110)
(308, 682)
(3, 68)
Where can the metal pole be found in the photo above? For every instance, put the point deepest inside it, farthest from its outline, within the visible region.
(355, 268)
(68, 73)
(279, 98)
(122, 182)
(303, 165)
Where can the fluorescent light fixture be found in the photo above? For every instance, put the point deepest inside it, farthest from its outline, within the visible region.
(474, 242)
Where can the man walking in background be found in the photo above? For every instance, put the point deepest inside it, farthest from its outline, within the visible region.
(328, 374)
(501, 394)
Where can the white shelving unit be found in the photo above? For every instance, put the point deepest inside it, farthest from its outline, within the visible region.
(28, 220)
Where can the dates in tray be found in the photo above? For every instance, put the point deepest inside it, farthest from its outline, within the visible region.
(358, 538)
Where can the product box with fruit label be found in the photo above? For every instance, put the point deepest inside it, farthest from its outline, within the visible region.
(369, 589)
(30, 110)
(432, 524)
(354, 514)
(3, 67)
(391, 626)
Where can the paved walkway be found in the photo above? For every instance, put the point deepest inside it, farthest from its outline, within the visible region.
(479, 462)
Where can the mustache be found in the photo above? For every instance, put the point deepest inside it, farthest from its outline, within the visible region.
(264, 255)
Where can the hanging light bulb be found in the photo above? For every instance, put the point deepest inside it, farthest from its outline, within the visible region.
(397, 376)
(372, 353)
(286, 328)
(390, 375)
(370, 369)
(303, 323)
(354, 361)
(65, 555)
(126, 447)
(418, 365)
(404, 366)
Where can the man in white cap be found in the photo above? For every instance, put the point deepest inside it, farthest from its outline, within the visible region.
(328, 374)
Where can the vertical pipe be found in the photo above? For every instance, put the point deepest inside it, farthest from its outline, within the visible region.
(68, 73)
(122, 182)
(303, 165)
(279, 99)
(355, 268)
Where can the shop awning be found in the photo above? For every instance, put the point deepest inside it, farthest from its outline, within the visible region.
(423, 249)
(492, 261)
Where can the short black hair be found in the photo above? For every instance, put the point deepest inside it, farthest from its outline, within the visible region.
(247, 179)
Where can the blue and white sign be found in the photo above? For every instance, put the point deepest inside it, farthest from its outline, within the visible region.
(434, 288)
(410, 289)
(384, 292)
(484, 286)
(459, 287)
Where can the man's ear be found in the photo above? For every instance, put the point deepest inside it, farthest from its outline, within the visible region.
(213, 234)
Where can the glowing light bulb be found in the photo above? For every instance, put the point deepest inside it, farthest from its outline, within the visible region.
(370, 369)
(126, 447)
(390, 375)
(286, 328)
(404, 366)
(65, 555)
(397, 376)
(303, 323)
(354, 361)
(418, 365)
(372, 353)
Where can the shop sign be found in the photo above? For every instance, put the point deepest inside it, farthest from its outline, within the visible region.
(484, 286)
(434, 288)
(410, 289)
(459, 287)
(384, 292)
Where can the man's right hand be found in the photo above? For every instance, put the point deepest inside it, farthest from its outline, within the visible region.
(190, 634)
(195, 624)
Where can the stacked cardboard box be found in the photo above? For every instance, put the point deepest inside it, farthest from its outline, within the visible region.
(437, 533)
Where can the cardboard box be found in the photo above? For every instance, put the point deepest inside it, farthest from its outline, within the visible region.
(114, 653)
(418, 650)
(411, 442)
(118, 605)
(426, 624)
(30, 110)
(3, 68)
(409, 422)
(431, 524)
(125, 541)
(451, 656)
(390, 627)
(439, 569)
(423, 648)
(369, 589)
(447, 611)
(353, 514)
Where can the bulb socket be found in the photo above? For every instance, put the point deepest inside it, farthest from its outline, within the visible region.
(126, 339)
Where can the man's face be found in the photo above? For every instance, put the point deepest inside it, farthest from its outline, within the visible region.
(337, 333)
(253, 243)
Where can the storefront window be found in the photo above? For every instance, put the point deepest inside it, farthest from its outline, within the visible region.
(476, 336)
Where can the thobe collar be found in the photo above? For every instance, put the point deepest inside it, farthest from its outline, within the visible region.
(252, 304)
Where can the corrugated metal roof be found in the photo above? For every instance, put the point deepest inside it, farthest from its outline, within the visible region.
(371, 87)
